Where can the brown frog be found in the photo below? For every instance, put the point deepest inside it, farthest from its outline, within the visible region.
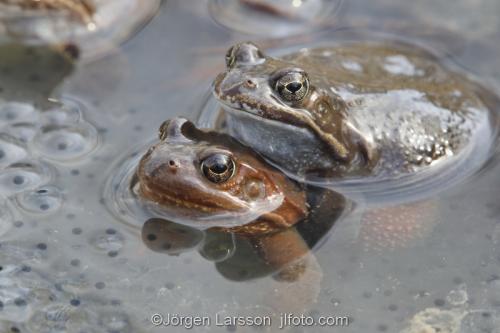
(214, 182)
(210, 174)
(351, 110)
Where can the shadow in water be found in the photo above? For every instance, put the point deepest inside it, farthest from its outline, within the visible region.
(241, 257)
(32, 73)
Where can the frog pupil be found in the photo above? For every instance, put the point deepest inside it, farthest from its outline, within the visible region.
(218, 168)
(293, 87)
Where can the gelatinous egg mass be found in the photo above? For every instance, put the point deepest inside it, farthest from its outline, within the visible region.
(20, 177)
(66, 142)
(46, 199)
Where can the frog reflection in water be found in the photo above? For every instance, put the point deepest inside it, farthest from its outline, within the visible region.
(351, 110)
(228, 189)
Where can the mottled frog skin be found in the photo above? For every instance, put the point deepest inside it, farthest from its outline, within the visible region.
(380, 109)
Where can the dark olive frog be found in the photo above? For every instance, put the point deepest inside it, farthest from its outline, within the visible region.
(350, 110)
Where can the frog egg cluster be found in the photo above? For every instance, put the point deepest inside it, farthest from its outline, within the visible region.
(33, 143)
(44, 302)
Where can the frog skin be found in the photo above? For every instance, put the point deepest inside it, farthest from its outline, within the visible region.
(209, 173)
(82, 10)
(351, 110)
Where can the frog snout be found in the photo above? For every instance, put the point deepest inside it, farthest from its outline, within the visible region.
(235, 84)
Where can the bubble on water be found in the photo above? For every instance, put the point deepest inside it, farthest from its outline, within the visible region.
(20, 177)
(65, 142)
(458, 297)
(45, 199)
(106, 242)
(11, 150)
(11, 112)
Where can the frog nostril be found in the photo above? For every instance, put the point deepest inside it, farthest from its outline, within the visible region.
(250, 84)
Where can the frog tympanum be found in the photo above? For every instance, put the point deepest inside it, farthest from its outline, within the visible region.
(382, 109)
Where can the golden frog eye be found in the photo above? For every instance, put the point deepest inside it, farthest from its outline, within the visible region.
(218, 168)
(292, 86)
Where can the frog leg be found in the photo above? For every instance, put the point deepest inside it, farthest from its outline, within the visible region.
(299, 272)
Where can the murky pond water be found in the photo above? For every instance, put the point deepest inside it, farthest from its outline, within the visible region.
(73, 258)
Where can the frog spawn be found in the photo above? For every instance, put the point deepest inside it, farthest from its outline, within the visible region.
(33, 142)
(43, 306)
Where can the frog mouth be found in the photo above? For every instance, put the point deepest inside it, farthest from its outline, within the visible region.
(174, 201)
(238, 107)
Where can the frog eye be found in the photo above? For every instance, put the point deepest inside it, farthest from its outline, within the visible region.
(292, 86)
(218, 168)
(244, 54)
(230, 57)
